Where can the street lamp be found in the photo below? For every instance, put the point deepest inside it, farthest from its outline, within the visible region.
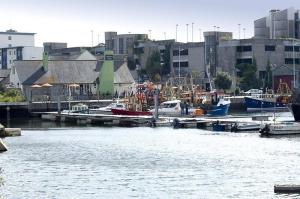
(176, 32)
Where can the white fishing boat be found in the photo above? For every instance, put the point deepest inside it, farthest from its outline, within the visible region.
(282, 128)
(107, 109)
(240, 127)
(169, 108)
(77, 108)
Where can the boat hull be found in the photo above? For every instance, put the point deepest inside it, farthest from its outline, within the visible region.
(221, 110)
(132, 113)
(281, 129)
(253, 104)
(295, 108)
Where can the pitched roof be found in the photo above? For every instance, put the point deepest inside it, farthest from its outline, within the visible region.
(123, 75)
(4, 73)
(25, 69)
(67, 72)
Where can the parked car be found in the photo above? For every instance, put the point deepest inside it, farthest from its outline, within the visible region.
(254, 91)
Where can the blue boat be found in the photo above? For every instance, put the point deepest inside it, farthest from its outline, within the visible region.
(221, 109)
(263, 104)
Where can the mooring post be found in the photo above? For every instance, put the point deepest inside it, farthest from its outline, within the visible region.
(58, 105)
(156, 93)
(8, 116)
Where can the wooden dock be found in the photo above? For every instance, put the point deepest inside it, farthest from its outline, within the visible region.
(147, 121)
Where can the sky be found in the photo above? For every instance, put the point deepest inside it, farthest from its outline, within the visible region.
(83, 22)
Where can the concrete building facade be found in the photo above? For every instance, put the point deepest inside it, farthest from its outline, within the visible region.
(11, 54)
(212, 40)
(188, 58)
(276, 52)
(123, 43)
(278, 24)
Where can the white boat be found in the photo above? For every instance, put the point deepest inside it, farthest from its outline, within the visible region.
(77, 108)
(107, 109)
(169, 108)
(245, 127)
(282, 128)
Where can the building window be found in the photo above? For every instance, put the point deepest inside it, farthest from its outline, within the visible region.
(182, 52)
(14, 52)
(9, 37)
(243, 48)
(121, 45)
(270, 48)
(184, 64)
(290, 48)
(244, 61)
(290, 61)
(13, 70)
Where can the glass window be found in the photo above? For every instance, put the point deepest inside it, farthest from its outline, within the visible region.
(270, 48)
(290, 48)
(9, 37)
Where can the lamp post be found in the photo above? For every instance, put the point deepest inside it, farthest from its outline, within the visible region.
(176, 32)
(200, 34)
(239, 25)
(187, 33)
(192, 32)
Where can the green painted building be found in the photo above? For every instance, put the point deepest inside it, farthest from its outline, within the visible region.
(106, 75)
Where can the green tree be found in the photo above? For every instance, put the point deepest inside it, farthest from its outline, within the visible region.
(166, 57)
(223, 81)
(269, 79)
(153, 65)
(248, 78)
(131, 63)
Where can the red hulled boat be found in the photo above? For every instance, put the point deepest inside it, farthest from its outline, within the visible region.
(129, 112)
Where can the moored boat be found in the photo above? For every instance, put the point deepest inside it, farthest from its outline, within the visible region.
(107, 109)
(130, 112)
(283, 128)
(265, 102)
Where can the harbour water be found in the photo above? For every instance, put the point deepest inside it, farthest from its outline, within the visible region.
(97, 162)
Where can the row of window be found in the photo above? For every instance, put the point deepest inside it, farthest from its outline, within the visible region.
(268, 48)
(182, 52)
(250, 61)
(182, 64)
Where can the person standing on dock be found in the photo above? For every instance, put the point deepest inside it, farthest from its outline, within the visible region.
(182, 108)
(186, 108)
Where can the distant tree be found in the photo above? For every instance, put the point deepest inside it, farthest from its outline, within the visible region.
(2, 88)
(248, 78)
(131, 63)
(153, 65)
(223, 81)
(268, 78)
(166, 58)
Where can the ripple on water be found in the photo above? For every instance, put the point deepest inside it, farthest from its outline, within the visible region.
(147, 163)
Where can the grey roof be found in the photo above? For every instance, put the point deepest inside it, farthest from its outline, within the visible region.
(123, 75)
(25, 69)
(4, 73)
(68, 72)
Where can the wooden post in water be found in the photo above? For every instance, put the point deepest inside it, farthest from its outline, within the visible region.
(8, 116)
(156, 93)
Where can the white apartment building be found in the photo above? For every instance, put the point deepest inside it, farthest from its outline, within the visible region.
(17, 46)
